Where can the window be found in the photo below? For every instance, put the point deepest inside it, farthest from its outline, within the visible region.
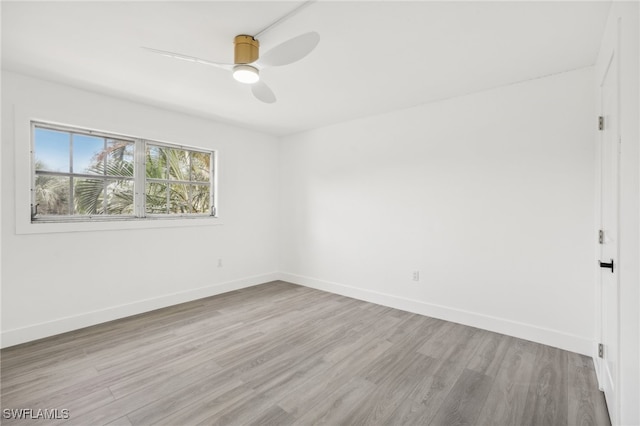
(86, 175)
(178, 181)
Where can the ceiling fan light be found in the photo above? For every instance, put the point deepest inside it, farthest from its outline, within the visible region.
(246, 74)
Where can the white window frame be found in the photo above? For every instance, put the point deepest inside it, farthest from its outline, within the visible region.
(139, 179)
(76, 116)
(140, 159)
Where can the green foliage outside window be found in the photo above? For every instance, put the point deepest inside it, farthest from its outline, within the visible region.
(177, 181)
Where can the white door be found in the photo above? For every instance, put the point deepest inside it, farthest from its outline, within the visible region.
(609, 157)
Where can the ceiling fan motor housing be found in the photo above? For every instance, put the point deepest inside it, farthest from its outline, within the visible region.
(246, 49)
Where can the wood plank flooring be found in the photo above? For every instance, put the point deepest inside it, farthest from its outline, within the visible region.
(281, 354)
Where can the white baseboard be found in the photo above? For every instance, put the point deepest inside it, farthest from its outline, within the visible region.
(62, 325)
(499, 325)
(530, 332)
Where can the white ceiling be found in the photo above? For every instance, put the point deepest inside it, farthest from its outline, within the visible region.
(373, 56)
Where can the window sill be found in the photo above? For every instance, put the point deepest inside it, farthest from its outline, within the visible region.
(114, 225)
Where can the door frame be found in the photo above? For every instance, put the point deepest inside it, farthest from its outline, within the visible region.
(612, 55)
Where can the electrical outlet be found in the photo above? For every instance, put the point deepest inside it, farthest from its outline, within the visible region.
(416, 275)
(219, 263)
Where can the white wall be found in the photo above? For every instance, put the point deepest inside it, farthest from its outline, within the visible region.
(490, 196)
(54, 282)
(622, 33)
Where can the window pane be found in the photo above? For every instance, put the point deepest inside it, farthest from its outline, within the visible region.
(178, 161)
(200, 166)
(120, 197)
(200, 198)
(179, 198)
(156, 163)
(88, 196)
(88, 154)
(156, 198)
(51, 150)
(52, 195)
(119, 158)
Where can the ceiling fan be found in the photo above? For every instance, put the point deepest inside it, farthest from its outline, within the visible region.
(247, 60)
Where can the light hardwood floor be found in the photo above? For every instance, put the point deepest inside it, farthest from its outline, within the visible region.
(280, 354)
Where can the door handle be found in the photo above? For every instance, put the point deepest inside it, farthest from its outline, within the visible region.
(607, 265)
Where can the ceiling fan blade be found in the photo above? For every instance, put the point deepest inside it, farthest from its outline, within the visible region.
(189, 58)
(290, 51)
(263, 93)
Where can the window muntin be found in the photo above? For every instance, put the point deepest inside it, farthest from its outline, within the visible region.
(85, 175)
